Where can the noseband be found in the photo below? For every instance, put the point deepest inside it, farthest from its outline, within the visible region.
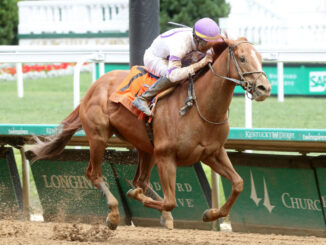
(244, 83)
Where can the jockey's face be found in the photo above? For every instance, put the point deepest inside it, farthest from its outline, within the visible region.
(201, 44)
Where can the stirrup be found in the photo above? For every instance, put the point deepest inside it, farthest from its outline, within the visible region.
(141, 105)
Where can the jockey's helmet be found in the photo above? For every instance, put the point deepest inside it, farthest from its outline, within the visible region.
(206, 29)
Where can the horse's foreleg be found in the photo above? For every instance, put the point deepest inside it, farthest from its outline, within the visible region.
(167, 171)
(221, 164)
(167, 174)
(94, 173)
(141, 180)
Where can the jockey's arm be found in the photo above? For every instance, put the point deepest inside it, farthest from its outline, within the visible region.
(177, 73)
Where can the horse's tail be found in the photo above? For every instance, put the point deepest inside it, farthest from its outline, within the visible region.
(53, 145)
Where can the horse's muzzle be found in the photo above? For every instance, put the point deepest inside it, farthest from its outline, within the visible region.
(262, 91)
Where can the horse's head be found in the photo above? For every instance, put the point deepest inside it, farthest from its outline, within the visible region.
(245, 66)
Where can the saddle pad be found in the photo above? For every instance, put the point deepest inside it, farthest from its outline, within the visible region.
(136, 83)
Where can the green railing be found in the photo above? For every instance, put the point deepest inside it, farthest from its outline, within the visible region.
(312, 135)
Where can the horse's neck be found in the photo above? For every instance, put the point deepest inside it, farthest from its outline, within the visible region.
(214, 93)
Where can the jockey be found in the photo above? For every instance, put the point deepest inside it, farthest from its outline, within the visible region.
(163, 57)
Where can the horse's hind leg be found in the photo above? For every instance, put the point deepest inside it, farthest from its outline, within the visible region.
(97, 144)
(142, 186)
(222, 165)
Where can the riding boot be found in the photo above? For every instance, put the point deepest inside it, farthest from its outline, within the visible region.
(141, 102)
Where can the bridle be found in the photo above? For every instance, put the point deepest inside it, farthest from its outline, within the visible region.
(245, 84)
(248, 86)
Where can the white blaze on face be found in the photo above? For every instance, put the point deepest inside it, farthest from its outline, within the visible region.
(256, 60)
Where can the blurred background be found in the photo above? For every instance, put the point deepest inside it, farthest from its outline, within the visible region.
(269, 23)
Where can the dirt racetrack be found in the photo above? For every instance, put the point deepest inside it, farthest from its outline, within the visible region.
(40, 233)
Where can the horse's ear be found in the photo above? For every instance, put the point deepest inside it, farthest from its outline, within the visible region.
(229, 42)
(226, 34)
(243, 39)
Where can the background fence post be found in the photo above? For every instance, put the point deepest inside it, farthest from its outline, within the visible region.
(20, 83)
(280, 83)
(215, 196)
(248, 112)
(25, 173)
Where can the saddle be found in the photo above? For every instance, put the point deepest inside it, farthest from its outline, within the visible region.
(136, 83)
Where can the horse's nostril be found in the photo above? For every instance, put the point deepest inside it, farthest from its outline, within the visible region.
(261, 87)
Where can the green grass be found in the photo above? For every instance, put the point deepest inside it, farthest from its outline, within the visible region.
(45, 100)
(294, 112)
(50, 100)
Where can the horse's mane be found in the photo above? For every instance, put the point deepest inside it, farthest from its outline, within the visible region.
(219, 46)
(218, 49)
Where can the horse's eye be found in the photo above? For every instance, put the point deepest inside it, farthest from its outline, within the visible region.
(242, 59)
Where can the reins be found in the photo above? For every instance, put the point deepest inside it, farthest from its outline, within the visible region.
(245, 84)
(205, 119)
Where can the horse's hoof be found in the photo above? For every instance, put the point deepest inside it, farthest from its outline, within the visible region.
(167, 222)
(207, 215)
(133, 193)
(130, 193)
(111, 225)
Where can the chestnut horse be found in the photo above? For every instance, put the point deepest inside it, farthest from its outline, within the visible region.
(199, 135)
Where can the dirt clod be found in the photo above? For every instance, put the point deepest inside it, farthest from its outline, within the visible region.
(75, 232)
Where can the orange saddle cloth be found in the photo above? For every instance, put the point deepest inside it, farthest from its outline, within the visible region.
(136, 83)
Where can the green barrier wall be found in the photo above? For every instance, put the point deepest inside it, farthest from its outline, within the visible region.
(66, 194)
(320, 167)
(282, 194)
(11, 203)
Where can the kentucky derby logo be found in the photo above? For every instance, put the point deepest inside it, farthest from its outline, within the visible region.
(317, 81)
(256, 199)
